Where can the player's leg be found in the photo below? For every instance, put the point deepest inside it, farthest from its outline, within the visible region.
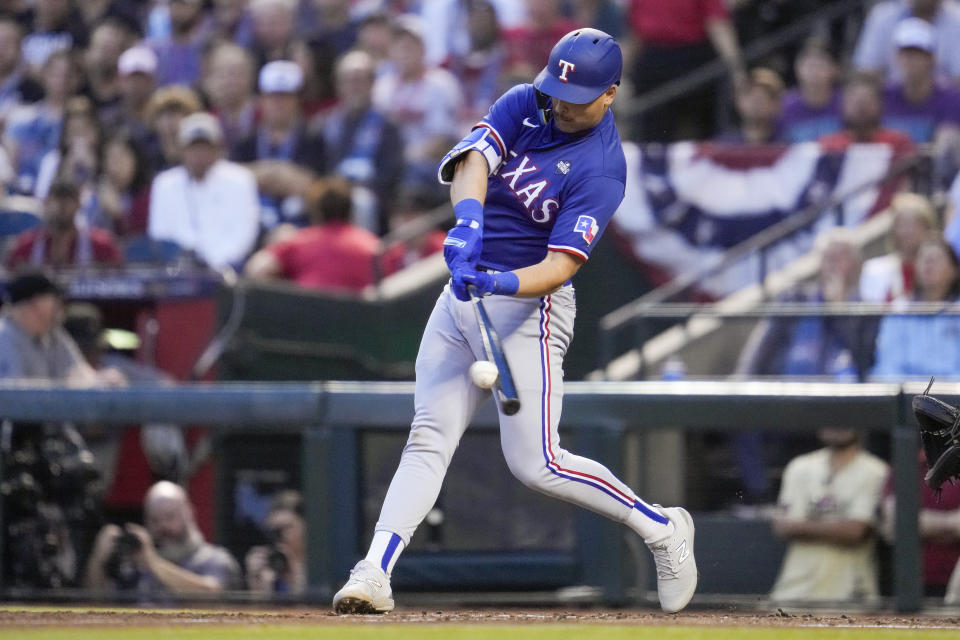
(531, 443)
(444, 399)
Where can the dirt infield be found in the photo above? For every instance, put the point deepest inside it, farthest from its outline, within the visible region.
(48, 617)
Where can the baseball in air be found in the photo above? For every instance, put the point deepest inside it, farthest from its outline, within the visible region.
(484, 373)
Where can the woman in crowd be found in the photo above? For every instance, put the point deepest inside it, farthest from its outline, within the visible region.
(123, 188)
(77, 155)
(891, 276)
(919, 346)
(167, 107)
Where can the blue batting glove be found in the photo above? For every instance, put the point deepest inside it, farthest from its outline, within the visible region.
(457, 286)
(463, 242)
(500, 284)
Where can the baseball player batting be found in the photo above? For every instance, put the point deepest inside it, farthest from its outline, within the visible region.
(533, 186)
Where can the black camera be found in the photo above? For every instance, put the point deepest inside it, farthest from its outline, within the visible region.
(276, 559)
(39, 552)
(121, 566)
(51, 496)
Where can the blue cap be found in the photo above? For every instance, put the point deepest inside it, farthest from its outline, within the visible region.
(583, 64)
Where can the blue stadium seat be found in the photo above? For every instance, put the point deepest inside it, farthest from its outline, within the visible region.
(145, 249)
(14, 222)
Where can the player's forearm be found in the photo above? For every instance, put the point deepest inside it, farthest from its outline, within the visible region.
(546, 276)
(178, 579)
(469, 178)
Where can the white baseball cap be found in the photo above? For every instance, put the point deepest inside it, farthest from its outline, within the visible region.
(138, 59)
(281, 76)
(915, 33)
(410, 24)
(199, 127)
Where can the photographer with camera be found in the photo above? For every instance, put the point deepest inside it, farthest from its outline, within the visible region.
(169, 555)
(51, 487)
(279, 567)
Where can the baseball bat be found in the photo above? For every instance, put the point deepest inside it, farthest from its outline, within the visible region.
(505, 388)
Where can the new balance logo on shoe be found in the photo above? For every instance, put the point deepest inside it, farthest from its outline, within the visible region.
(683, 551)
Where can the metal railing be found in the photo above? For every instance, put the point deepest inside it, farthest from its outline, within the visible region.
(330, 415)
(650, 320)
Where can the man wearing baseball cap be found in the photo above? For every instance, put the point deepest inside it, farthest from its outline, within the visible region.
(33, 343)
(207, 205)
(533, 186)
(918, 105)
(876, 49)
(136, 76)
(281, 145)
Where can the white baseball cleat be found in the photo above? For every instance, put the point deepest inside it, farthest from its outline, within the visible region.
(367, 591)
(676, 567)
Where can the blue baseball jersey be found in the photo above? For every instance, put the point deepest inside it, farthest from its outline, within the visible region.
(550, 190)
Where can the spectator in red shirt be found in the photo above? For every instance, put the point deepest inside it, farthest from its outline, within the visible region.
(60, 241)
(862, 108)
(330, 255)
(674, 37)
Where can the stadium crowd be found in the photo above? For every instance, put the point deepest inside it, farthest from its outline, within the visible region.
(95, 94)
(284, 139)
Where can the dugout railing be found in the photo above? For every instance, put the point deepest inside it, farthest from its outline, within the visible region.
(599, 415)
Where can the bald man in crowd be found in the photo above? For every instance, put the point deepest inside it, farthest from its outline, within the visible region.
(169, 554)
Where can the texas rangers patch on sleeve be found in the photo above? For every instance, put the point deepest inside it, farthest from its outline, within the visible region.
(587, 227)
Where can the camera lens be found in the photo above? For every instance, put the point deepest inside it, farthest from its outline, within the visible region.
(120, 565)
(277, 561)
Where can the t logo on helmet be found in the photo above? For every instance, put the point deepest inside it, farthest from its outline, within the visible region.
(567, 66)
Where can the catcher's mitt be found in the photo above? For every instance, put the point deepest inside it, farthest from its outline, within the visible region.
(940, 434)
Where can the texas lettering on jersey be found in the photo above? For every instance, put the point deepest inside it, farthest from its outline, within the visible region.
(529, 189)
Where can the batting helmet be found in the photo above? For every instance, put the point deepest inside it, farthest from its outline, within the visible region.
(583, 64)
